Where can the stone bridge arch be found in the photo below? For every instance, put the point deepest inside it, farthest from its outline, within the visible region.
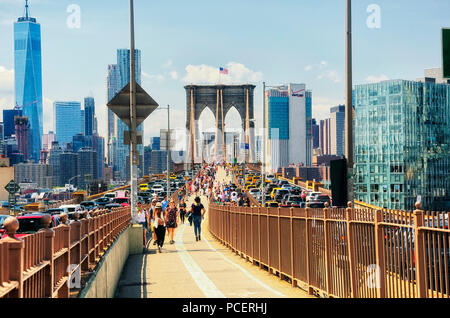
(219, 99)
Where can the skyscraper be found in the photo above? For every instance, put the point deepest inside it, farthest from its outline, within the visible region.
(337, 130)
(112, 87)
(324, 137)
(22, 134)
(28, 77)
(123, 64)
(315, 133)
(87, 168)
(8, 121)
(402, 144)
(67, 121)
(89, 113)
(289, 110)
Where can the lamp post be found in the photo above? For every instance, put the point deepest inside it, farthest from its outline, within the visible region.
(73, 178)
(349, 100)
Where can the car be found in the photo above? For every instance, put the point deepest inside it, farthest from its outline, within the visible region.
(143, 187)
(3, 217)
(322, 198)
(110, 206)
(256, 193)
(157, 188)
(124, 201)
(55, 211)
(110, 195)
(279, 194)
(71, 208)
(311, 195)
(316, 205)
(272, 193)
(102, 201)
(31, 223)
(146, 196)
(292, 201)
(88, 205)
(272, 204)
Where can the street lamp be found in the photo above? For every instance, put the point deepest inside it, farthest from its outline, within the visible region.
(73, 178)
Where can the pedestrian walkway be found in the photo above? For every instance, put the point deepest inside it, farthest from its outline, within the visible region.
(191, 269)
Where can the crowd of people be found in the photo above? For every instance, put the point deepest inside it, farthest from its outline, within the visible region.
(162, 217)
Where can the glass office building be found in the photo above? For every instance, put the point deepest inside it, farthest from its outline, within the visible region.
(123, 64)
(28, 78)
(402, 144)
(89, 112)
(67, 120)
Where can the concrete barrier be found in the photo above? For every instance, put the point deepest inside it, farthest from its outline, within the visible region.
(103, 283)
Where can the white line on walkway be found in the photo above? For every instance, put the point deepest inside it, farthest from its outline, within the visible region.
(203, 282)
(245, 272)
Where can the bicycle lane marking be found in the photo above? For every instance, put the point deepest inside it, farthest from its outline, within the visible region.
(201, 279)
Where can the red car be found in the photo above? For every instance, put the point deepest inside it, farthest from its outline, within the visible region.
(124, 201)
(31, 223)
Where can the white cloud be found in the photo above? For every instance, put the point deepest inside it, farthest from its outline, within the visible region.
(173, 75)
(167, 64)
(321, 106)
(323, 64)
(332, 75)
(376, 79)
(6, 80)
(47, 110)
(157, 77)
(205, 74)
(308, 68)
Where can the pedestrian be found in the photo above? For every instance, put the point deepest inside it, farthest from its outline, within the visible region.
(159, 225)
(182, 209)
(198, 213)
(171, 217)
(151, 213)
(164, 203)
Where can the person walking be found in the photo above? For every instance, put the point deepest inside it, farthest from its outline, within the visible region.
(198, 214)
(182, 209)
(151, 215)
(159, 225)
(171, 216)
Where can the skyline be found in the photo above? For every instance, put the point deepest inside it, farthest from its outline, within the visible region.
(176, 61)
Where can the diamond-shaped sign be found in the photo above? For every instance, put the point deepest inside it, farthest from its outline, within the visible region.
(12, 187)
(120, 105)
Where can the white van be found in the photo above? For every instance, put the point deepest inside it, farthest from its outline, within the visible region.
(71, 208)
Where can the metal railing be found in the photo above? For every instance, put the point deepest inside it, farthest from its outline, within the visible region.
(42, 265)
(350, 253)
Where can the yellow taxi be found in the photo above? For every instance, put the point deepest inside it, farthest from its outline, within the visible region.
(143, 187)
(272, 194)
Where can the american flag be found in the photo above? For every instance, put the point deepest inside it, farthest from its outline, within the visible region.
(223, 71)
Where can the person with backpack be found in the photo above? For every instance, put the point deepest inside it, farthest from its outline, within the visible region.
(198, 214)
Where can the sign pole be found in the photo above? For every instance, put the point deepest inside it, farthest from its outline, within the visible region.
(133, 141)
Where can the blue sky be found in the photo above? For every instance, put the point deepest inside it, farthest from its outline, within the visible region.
(182, 41)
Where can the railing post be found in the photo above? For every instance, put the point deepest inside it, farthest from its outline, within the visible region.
(49, 243)
(291, 224)
(279, 243)
(419, 251)
(308, 248)
(15, 254)
(326, 217)
(351, 254)
(379, 254)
